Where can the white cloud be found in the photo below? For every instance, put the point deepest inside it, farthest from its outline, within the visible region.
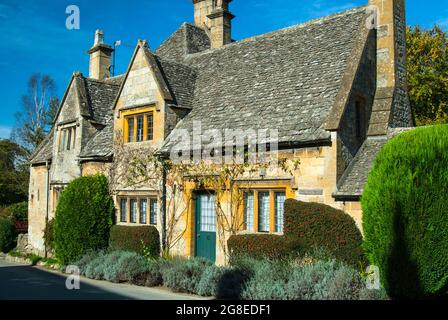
(5, 132)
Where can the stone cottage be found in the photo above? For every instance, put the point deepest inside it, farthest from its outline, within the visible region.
(334, 90)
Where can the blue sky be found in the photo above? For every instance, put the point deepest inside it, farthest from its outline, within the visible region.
(33, 36)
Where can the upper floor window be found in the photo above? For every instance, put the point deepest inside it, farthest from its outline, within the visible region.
(139, 127)
(67, 139)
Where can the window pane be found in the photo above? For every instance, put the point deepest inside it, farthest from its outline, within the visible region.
(153, 212)
(64, 137)
(150, 133)
(249, 211)
(74, 137)
(133, 211)
(143, 210)
(140, 128)
(130, 129)
(263, 211)
(280, 198)
(69, 138)
(208, 213)
(123, 210)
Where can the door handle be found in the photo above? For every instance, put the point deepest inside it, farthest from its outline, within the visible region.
(199, 235)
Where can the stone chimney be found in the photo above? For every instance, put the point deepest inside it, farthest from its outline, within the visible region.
(391, 56)
(100, 58)
(214, 16)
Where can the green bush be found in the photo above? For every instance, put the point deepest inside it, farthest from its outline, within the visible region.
(267, 282)
(49, 234)
(95, 268)
(86, 259)
(184, 275)
(144, 240)
(210, 279)
(152, 275)
(84, 217)
(19, 211)
(321, 226)
(122, 266)
(263, 246)
(404, 213)
(7, 235)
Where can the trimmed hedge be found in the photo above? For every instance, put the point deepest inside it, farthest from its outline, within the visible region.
(140, 239)
(263, 246)
(83, 219)
(405, 213)
(7, 235)
(321, 226)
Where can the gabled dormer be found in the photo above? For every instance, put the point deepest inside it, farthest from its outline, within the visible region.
(146, 108)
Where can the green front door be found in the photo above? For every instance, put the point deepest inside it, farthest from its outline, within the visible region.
(205, 228)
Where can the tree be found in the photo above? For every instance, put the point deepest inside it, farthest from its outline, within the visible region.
(427, 52)
(13, 174)
(39, 107)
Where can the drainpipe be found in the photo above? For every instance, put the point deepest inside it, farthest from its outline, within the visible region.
(47, 203)
(163, 209)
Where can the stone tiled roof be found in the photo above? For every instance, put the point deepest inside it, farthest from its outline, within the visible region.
(186, 40)
(285, 80)
(101, 144)
(101, 95)
(45, 150)
(354, 179)
(181, 81)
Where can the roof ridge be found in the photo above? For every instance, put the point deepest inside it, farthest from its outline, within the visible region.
(290, 28)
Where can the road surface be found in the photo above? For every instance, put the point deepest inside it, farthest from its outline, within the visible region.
(21, 282)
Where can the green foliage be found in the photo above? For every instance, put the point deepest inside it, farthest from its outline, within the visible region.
(144, 240)
(427, 54)
(49, 234)
(7, 235)
(83, 218)
(122, 266)
(404, 220)
(14, 173)
(184, 275)
(261, 246)
(210, 281)
(321, 226)
(19, 211)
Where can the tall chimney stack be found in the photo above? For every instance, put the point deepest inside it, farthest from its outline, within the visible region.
(391, 57)
(215, 17)
(100, 58)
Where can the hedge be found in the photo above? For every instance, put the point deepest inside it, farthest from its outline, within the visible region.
(324, 227)
(263, 246)
(140, 239)
(7, 235)
(83, 219)
(405, 213)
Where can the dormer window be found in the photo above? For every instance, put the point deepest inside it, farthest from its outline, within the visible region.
(139, 127)
(67, 139)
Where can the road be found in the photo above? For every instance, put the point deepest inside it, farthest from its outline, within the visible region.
(21, 282)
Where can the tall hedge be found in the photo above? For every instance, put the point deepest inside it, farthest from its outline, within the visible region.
(319, 226)
(7, 235)
(139, 239)
(405, 220)
(83, 219)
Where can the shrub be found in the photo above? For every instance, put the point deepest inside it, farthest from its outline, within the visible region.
(263, 246)
(209, 283)
(122, 266)
(19, 211)
(267, 282)
(404, 219)
(49, 234)
(367, 294)
(184, 275)
(152, 275)
(7, 235)
(95, 268)
(321, 226)
(86, 259)
(144, 240)
(83, 218)
(323, 280)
